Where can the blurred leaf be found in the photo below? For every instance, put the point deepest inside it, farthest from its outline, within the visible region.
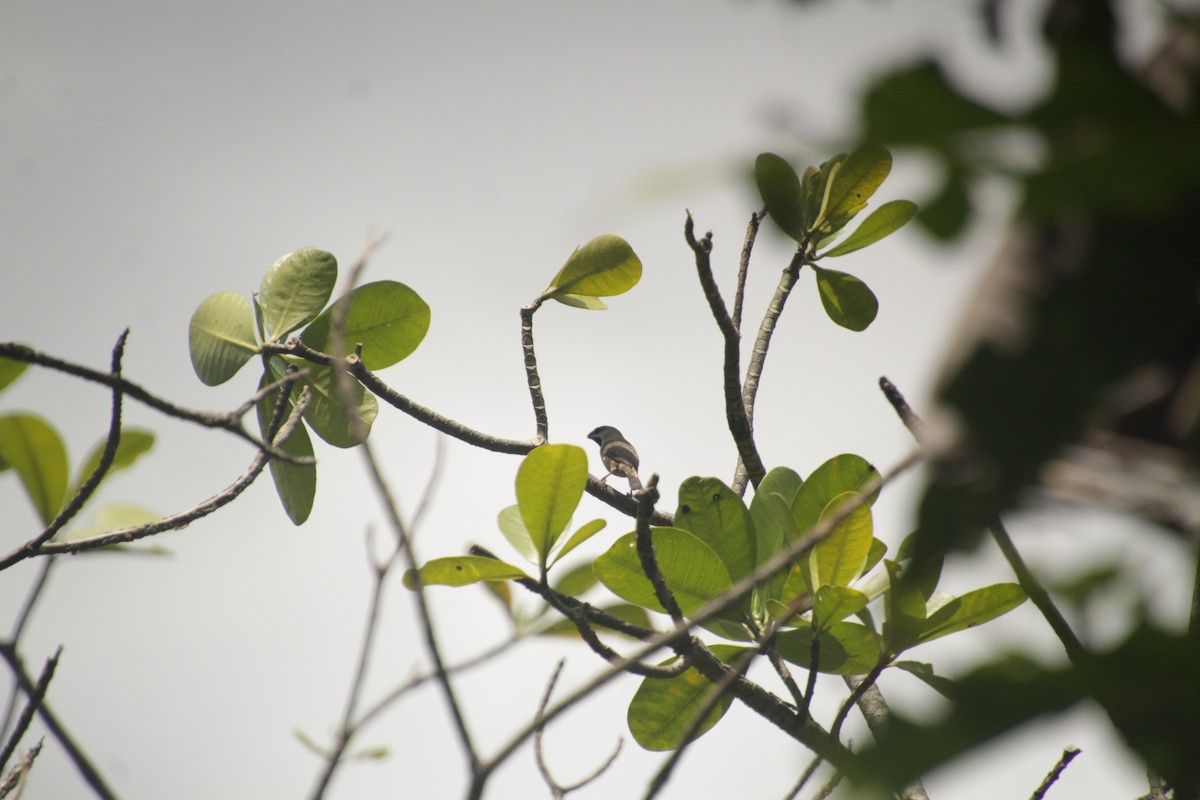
(324, 413)
(903, 609)
(388, 318)
(134, 443)
(461, 571)
(838, 559)
(10, 370)
(919, 106)
(33, 448)
(296, 484)
(846, 648)
(585, 532)
(716, 515)
(576, 581)
(111, 517)
(603, 267)
(883, 221)
(550, 483)
(513, 527)
(221, 337)
(663, 709)
(923, 671)
(780, 189)
(945, 217)
(693, 572)
(847, 300)
(295, 289)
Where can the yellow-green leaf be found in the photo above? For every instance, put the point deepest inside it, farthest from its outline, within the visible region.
(462, 571)
(603, 267)
(387, 318)
(31, 447)
(693, 572)
(883, 221)
(839, 558)
(663, 709)
(221, 337)
(550, 483)
(295, 289)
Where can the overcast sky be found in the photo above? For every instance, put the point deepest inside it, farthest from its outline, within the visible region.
(154, 153)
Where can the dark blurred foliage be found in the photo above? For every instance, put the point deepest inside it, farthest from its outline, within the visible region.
(1077, 372)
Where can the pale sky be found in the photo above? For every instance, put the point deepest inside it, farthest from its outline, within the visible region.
(154, 153)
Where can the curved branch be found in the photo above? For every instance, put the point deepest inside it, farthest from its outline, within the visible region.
(541, 420)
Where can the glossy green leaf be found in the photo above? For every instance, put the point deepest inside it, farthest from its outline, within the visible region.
(835, 603)
(295, 289)
(857, 178)
(325, 414)
(603, 267)
(847, 300)
(780, 189)
(585, 532)
(388, 318)
(461, 571)
(843, 473)
(839, 558)
(716, 515)
(134, 443)
(33, 448)
(693, 572)
(971, 609)
(296, 484)
(221, 337)
(10, 370)
(576, 581)
(513, 527)
(846, 648)
(883, 221)
(663, 709)
(550, 483)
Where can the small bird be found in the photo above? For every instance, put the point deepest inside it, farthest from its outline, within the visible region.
(617, 455)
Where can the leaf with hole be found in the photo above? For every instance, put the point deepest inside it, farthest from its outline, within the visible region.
(462, 571)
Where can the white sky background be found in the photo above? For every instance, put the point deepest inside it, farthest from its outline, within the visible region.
(152, 154)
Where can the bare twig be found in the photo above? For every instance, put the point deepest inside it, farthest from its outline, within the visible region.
(557, 790)
(1068, 755)
(805, 777)
(735, 410)
(15, 779)
(739, 295)
(26, 717)
(91, 776)
(31, 598)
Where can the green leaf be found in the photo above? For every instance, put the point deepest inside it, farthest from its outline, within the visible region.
(295, 289)
(693, 572)
(582, 301)
(771, 517)
(111, 517)
(10, 370)
(846, 648)
(843, 473)
(576, 581)
(550, 483)
(324, 413)
(513, 527)
(847, 300)
(296, 484)
(663, 709)
(883, 221)
(585, 532)
(903, 610)
(875, 555)
(388, 318)
(971, 609)
(839, 558)
(603, 267)
(716, 515)
(835, 603)
(221, 337)
(859, 175)
(32, 447)
(780, 189)
(462, 571)
(133, 444)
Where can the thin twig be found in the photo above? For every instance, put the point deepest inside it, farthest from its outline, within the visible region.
(532, 379)
(31, 598)
(805, 777)
(26, 716)
(1068, 755)
(557, 790)
(739, 295)
(735, 410)
(90, 774)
